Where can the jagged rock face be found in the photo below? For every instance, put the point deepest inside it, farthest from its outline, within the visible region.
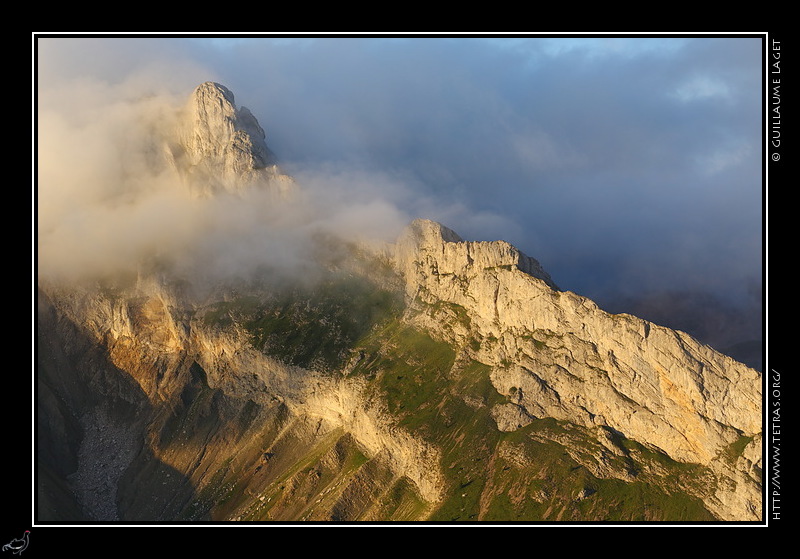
(450, 255)
(221, 132)
(447, 404)
(212, 407)
(190, 386)
(222, 147)
(558, 355)
(549, 355)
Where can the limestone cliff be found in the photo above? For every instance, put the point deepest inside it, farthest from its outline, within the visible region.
(435, 379)
(556, 354)
(199, 395)
(177, 363)
(222, 147)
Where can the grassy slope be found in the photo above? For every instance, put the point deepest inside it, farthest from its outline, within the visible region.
(449, 405)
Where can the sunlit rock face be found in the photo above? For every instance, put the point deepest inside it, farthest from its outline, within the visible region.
(222, 147)
(158, 403)
(558, 355)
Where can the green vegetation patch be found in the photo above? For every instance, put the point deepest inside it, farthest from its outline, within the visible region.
(675, 477)
(309, 487)
(546, 472)
(451, 313)
(311, 327)
(736, 449)
(412, 370)
(400, 503)
(445, 404)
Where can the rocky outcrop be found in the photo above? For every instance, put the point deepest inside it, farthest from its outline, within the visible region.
(222, 147)
(159, 403)
(208, 410)
(429, 247)
(178, 361)
(333, 402)
(556, 354)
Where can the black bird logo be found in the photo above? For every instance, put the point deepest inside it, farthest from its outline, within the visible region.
(18, 545)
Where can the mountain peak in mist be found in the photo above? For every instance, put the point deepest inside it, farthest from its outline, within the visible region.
(433, 378)
(222, 147)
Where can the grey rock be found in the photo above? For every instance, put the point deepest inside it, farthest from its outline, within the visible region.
(222, 147)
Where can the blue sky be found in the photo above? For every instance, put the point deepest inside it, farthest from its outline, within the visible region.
(629, 167)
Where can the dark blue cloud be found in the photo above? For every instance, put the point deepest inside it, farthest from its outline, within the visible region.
(628, 167)
(640, 154)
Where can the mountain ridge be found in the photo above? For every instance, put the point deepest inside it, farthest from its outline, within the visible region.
(429, 379)
(689, 401)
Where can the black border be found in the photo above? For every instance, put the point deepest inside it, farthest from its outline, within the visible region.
(64, 537)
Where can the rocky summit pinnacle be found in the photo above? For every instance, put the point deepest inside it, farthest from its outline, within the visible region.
(223, 147)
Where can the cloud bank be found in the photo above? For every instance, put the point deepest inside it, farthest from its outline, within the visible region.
(628, 167)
